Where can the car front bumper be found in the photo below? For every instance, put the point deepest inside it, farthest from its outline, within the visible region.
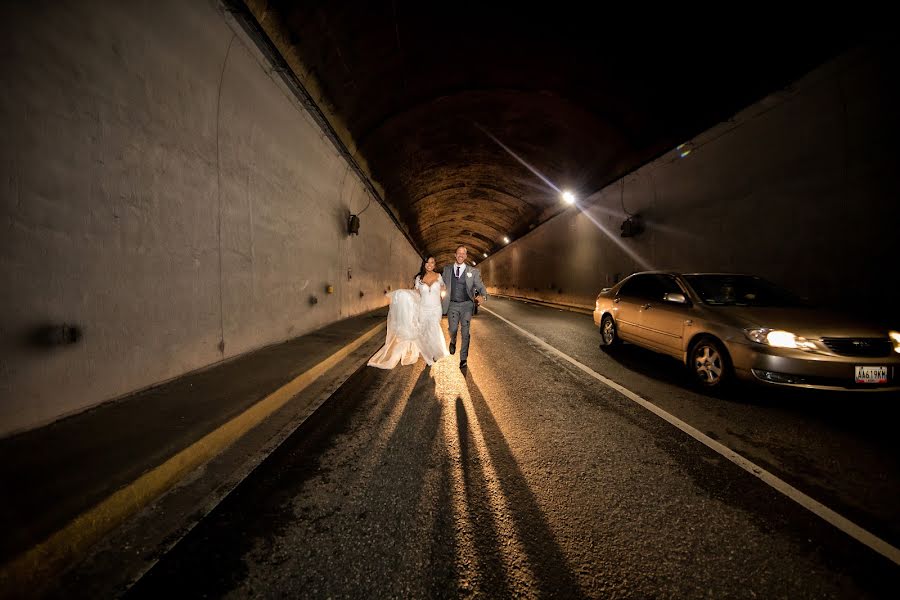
(796, 368)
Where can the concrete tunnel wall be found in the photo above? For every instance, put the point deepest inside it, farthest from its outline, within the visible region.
(802, 188)
(158, 215)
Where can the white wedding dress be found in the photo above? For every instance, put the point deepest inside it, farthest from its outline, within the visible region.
(413, 327)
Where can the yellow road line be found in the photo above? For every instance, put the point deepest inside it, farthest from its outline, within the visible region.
(61, 548)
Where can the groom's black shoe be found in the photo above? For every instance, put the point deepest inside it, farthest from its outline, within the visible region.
(452, 347)
(462, 365)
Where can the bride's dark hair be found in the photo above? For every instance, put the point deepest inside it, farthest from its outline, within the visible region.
(421, 273)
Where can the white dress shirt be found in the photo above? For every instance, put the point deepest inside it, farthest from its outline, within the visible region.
(462, 269)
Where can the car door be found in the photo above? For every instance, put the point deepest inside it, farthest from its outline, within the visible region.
(627, 308)
(662, 321)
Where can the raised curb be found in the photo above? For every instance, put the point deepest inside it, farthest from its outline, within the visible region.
(63, 547)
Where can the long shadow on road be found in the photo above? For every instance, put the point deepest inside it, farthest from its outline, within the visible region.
(478, 503)
(343, 511)
(554, 577)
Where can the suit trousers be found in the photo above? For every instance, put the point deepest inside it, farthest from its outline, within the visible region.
(460, 313)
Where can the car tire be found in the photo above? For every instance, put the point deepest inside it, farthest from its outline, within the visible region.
(609, 335)
(709, 364)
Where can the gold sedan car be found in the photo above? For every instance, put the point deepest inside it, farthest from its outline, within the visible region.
(723, 326)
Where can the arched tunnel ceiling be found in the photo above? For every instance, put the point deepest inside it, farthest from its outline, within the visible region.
(429, 94)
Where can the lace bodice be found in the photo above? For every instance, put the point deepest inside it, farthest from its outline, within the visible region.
(431, 294)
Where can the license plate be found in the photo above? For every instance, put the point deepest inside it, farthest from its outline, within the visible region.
(871, 374)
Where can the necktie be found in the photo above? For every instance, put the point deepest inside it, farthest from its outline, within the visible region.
(457, 271)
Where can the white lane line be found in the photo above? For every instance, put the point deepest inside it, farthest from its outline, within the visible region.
(850, 528)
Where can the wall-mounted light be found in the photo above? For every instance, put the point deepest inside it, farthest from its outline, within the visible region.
(485, 254)
(353, 225)
(568, 197)
(47, 336)
(632, 226)
(329, 289)
(505, 239)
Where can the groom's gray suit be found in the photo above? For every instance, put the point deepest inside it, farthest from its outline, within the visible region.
(459, 301)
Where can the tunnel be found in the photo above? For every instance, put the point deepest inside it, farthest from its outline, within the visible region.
(179, 181)
(189, 183)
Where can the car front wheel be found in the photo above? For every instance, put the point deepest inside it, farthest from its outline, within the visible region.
(608, 332)
(710, 364)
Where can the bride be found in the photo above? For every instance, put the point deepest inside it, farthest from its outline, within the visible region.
(414, 323)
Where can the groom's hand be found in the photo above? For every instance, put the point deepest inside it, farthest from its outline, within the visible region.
(479, 299)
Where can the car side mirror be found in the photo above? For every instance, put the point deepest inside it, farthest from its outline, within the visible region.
(676, 298)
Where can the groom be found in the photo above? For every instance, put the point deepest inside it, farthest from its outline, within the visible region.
(464, 289)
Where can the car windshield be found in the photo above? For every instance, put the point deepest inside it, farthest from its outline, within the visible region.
(741, 290)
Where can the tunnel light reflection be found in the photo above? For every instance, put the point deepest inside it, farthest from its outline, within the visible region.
(569, 197)
(645, 266)
(509, 151)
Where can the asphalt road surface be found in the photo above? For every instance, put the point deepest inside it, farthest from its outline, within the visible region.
(528, 477)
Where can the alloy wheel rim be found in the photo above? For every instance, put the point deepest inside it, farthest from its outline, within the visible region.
(708, 364)
(608, 331)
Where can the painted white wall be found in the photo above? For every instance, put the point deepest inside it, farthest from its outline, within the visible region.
(163, 204)
(801, 188)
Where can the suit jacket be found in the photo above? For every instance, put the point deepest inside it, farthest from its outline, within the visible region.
(472, 278)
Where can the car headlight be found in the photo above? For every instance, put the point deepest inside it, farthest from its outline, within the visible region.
(895, 338)
(779, 339)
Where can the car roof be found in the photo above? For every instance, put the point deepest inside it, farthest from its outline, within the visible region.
(698, 273)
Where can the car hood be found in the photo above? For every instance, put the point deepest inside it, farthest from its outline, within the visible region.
(805, 322)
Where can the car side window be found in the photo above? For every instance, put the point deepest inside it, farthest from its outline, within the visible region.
(650, 287)
(631, 287)
(669, 285)
(644, 287)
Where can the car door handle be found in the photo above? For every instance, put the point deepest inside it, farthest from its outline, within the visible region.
(615, 300)
(645, 306)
